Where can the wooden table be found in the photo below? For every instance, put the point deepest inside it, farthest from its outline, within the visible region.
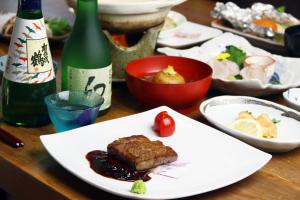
(31, 173)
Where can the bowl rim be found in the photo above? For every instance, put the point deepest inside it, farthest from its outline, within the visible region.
(47, 100)
(209, 76)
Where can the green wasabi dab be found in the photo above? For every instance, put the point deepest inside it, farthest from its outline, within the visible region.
(139, 187)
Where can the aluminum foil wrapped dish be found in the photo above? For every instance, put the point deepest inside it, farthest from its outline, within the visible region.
(263, 20)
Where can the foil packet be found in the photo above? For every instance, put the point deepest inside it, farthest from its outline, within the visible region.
(243, 18)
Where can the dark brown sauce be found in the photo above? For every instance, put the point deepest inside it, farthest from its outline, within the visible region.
(109, 167)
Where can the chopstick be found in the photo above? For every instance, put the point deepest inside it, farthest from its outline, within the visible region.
(10, 139)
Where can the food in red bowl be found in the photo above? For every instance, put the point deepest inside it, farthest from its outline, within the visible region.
(197, 76)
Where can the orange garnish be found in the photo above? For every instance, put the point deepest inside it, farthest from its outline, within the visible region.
(266, 23)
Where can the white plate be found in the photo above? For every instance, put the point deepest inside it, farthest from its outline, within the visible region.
(208, 159)
(188, 34)
(287, 68)
(292, 97)
(223, 110)
(176, 18)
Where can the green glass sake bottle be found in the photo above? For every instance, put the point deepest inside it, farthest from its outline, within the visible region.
(29, 75)
(86, 61)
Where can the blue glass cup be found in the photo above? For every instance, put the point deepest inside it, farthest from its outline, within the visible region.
(73, 109)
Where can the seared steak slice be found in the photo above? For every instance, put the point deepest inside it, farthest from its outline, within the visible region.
(141, 153)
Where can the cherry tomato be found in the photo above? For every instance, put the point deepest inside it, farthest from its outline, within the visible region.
(158, 119)
(164, 124)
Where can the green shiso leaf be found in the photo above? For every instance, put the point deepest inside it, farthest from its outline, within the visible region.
(238, 77)
(281, 9)
(236, 55)
(275, 121)
(275, 82)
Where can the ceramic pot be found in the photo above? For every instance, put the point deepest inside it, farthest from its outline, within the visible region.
(123, 55)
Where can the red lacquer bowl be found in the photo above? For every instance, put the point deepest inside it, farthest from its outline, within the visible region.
(198, 76)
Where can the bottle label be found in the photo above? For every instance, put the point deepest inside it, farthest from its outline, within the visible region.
(29, 58)
(98, 80)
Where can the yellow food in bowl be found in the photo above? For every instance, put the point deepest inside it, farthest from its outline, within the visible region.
(168, 76)
(261, 126)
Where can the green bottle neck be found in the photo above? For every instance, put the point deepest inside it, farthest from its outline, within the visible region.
(30, 9)
(87, 14)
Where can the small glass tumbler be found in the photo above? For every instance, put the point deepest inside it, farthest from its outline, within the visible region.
(73, 109)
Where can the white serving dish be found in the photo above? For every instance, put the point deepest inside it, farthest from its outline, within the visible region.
(188, 34)
(223, 110)
(207, 158)
(178, 19)
(286, 67)
(292, 97)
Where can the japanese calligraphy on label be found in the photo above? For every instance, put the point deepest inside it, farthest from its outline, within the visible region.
(98, 80)
(29, 58)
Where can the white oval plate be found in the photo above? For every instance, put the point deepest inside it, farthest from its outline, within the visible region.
(223, 110)
(178, 19)
(218, 159)
(287, 68)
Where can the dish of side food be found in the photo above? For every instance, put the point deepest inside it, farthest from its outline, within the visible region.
(264, 124)
(173, 22)
(240, 68)
(261, 21)
(189, 156)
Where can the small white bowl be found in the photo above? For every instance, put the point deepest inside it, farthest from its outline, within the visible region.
(292, 97)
